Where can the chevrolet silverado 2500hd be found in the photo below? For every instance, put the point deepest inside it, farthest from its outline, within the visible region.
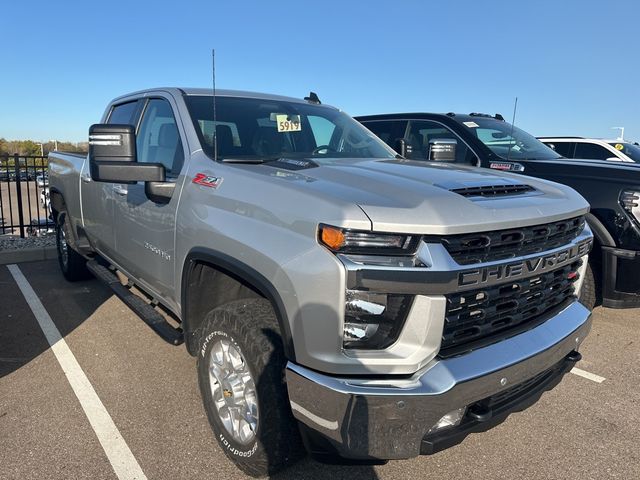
(335, 295)
(612, 189)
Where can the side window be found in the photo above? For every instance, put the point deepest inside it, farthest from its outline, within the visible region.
(592, 151)
(423, 133)
(389, 131)
(566, 149)
(123, 113)
(158, 138)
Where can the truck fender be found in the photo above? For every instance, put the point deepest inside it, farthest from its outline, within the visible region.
(247, 275)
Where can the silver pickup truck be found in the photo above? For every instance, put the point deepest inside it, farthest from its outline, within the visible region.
(336, 295)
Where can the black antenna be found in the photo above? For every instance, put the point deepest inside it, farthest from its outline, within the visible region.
(215, 124)
(515, 107)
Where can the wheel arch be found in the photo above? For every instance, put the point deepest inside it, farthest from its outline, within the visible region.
(236, 280)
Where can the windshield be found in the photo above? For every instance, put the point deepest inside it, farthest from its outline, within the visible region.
(630, 150)
(261, 130)
(508, 141)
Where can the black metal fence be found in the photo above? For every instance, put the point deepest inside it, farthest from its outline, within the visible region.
(24, 196)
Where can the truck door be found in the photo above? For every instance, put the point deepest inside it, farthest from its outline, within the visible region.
(144, 230)
(98, 198)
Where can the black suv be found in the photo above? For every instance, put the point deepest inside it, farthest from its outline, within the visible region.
(481, 140)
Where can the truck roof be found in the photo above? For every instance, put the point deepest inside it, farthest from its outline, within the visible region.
(209, 91)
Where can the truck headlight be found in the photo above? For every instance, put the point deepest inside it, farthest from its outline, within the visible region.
(374, 321)
(630, 201)
(341, 240)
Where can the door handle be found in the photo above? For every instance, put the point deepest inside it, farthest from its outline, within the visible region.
(120, 190)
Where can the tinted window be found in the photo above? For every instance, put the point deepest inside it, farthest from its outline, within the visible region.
(630, 150)
(566, 149)
(505, 140)
(423, 134)
(267, 129)
(592, 151)
(389, 131)
(123, 113)
(158, 138)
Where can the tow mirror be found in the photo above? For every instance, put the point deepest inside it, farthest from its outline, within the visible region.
(113, 159)
(442, 150)
(402, 147)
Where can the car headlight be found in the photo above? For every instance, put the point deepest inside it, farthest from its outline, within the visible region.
(341, 240)
(630, 201)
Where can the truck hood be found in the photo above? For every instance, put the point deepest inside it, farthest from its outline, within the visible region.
(419, 197)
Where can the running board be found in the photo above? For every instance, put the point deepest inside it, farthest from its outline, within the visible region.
(145, 311)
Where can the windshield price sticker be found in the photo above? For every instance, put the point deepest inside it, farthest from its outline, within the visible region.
(288, 123)
(471, 124)
(619, 146)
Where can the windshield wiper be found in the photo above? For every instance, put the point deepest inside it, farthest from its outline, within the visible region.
(255, 161)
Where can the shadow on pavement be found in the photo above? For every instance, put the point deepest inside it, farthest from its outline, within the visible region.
(21, 339)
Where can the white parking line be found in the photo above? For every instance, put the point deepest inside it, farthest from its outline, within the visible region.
(122, 460)
(588, 375)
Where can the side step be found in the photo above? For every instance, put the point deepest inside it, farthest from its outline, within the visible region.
(145, 311)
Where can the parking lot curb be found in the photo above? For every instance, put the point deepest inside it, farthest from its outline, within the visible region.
(27, 255)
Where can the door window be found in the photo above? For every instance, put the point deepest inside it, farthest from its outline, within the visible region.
(566, 149)
(592, 151)
(422, 135)
(124, 113)
(389, 131)
(158, 139)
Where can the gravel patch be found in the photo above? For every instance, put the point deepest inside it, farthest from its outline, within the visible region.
(17, 243)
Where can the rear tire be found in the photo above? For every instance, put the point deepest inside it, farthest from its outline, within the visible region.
(72, 264)
(248, 381)
(588, 294)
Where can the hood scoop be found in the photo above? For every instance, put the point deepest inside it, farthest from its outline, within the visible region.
(493, 191)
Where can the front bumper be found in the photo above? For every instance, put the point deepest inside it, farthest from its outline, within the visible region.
(620, 279)
(373, 418)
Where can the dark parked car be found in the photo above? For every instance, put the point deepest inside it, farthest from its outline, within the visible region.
(612, 189)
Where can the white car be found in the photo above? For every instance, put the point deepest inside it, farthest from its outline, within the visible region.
(42, 180)
(44, 198)
(594, 148)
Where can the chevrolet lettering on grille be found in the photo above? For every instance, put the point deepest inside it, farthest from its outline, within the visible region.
(497, 273)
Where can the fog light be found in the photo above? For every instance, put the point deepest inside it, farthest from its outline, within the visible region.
(451, 419)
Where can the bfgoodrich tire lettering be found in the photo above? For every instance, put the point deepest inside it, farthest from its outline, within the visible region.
(251, 328)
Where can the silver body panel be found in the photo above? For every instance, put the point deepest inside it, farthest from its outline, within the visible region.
(267, 218)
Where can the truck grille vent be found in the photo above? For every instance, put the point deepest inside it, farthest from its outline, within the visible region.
(490, 191)
(502, 244)
(484, 316)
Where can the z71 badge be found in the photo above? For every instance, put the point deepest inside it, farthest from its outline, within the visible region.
(207, 180)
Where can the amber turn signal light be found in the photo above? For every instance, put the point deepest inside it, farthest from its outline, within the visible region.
(332, 237)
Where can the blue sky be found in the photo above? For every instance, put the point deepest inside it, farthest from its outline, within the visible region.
(573, 64)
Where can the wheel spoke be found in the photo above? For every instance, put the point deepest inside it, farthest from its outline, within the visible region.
(233, 391)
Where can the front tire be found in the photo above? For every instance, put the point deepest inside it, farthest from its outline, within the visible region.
(589, 294)
(72, 264)
(241, 366)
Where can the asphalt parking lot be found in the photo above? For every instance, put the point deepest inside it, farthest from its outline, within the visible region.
(587, 428)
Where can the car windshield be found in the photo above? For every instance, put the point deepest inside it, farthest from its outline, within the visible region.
(629, 149)
(260, 130)
(508, 141)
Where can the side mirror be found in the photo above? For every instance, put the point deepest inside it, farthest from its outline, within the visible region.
(442, 150)
(402, 148)
(113, 159)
